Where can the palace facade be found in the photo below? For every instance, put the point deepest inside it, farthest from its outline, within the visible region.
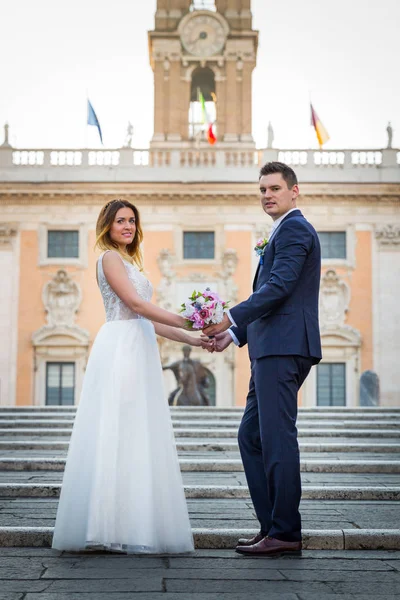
(201, 217)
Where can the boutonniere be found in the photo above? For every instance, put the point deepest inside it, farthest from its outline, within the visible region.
(260, 249)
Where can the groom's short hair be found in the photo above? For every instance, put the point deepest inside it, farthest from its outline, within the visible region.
(277, 167)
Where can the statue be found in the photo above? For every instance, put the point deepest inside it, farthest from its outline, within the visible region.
(271, 135)
(129, 136)
(6, 142)
(389, 130)
(369, 389)
(192, 380)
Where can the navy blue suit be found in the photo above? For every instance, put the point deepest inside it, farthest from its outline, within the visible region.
(279, 322)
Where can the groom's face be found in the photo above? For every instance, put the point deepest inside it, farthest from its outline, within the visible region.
(276, 198)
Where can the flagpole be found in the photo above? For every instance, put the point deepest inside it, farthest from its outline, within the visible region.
(86, 120)
(310, 144)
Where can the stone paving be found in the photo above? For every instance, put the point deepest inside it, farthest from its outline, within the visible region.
(43, 574)
(359, 509)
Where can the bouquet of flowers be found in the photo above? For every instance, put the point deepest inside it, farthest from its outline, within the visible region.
(203, 308)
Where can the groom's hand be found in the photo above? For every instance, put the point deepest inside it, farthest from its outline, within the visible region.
(222, 341)
(220, 328)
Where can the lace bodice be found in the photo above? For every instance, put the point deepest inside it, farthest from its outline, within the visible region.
(116, 310)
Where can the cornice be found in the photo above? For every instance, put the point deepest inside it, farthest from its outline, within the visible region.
(86, 194)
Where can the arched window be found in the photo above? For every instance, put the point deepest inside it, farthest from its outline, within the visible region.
(203, 86)
(203, 5)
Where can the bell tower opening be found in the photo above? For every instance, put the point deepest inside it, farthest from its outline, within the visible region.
(203, 5)
(202, 86)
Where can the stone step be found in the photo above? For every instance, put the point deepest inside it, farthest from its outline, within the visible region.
(217, 433)
(219, 466)
(392, 493)
(222, 446)
(317, 409)
(69, 416)
(179, 424)
(323, 539)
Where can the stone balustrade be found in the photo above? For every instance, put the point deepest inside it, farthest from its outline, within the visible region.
(205, 163)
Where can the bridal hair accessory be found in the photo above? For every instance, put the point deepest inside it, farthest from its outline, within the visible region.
(204, 308)
(112, 202)
(260, 249)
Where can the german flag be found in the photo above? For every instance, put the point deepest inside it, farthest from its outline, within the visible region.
(322, 134)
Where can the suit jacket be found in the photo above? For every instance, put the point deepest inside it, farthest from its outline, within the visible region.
(281, 316)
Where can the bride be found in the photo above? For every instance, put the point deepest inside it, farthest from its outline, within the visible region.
(122, 488)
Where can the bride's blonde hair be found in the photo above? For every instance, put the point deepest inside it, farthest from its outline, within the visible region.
(105, 220)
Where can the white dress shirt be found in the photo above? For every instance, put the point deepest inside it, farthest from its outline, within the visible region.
(274, 227)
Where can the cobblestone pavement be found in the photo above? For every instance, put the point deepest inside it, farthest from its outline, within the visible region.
(42, 574)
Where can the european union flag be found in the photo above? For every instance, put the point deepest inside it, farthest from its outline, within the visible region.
(93, 120)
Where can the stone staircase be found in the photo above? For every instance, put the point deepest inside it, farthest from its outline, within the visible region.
(350, 463)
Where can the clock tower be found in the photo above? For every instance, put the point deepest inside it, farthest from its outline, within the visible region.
(208, 47)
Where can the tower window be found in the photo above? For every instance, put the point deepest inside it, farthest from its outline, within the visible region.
(203, 82)
(203, 5)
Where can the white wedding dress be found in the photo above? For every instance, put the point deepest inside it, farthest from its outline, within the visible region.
(122, 488)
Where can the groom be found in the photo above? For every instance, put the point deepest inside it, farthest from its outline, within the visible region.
(279, 323)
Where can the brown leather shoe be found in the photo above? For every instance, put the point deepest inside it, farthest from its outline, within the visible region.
(269, 546)
(254, 540)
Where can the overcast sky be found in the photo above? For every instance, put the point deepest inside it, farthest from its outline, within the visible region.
(345, 52)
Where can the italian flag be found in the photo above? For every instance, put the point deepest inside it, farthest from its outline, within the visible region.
(206, 121)
(322, 134)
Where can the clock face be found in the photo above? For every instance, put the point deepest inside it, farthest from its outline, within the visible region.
(203, 35)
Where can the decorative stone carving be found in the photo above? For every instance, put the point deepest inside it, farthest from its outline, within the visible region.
(165, 290)
(334, 299)
(229, 264)
(7, 232)
(388, 235)
(61, 298)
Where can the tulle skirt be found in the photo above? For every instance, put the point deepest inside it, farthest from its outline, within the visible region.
(122, 488)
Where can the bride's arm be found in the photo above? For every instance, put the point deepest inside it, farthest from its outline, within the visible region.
(117, 277)
(171, 333)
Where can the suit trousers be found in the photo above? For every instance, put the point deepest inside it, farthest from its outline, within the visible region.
(268, 443)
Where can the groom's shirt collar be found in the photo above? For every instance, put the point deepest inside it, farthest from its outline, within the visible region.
(278, 221)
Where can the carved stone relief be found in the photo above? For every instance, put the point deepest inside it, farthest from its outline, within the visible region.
(7, 232)
(229, 264)
(61, 298)
(165, 291)
(388, 236)
(334, 299)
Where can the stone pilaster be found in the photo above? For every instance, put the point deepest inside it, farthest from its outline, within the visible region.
(9, 269)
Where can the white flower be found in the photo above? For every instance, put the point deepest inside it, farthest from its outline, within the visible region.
(189, 311)
(200, 300)
(218, 314)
